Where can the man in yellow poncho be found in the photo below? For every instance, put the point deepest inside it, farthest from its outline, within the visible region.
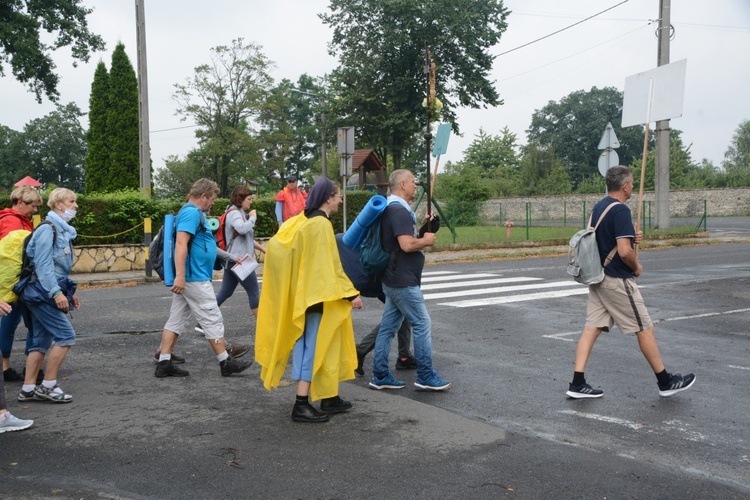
(305, 308)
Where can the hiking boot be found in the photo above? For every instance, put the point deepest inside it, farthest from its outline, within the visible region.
(677, 383)
(434, 383)
(387, 382)
(583, 391)
(360, 370)
(10, 375)
(406, 363)
(11, 423)
(167, 368)
(178, 360)
(54, 394)
(231, 365)
(24, 396)
(334, 405)
(237, 350)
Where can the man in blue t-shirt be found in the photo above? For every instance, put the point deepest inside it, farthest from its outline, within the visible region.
(617, 300)
(193, 292)
(401, 284)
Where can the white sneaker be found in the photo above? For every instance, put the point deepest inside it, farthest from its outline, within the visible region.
(12, 423)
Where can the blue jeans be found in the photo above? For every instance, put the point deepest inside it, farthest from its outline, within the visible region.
(303, 354)
(399, 303)
(8, 326)
(229, 283)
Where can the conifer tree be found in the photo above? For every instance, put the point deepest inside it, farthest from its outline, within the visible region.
(122, 124)
(97, 159)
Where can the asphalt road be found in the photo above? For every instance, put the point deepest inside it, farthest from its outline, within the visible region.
(504, 333)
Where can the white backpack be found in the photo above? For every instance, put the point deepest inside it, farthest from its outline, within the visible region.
(584, 263)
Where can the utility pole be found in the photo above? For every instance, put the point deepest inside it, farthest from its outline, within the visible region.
(144, 144)
(661, 173)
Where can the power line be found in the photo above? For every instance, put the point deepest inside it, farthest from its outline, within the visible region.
(561, 30)
(175, 128)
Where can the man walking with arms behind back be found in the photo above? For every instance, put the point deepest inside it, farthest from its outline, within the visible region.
(401, 282)
(617, 300)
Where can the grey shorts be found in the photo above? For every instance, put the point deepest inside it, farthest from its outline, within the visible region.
(617, 301)
(196, 303)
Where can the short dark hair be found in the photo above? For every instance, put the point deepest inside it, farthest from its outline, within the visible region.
(616, 177)
(239, 194)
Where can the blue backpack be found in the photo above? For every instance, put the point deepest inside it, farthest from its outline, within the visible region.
(372, 255)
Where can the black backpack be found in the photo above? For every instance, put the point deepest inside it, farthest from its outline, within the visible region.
(27, 267)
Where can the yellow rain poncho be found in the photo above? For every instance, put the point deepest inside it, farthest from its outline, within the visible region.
(11, 255)
(302, 268)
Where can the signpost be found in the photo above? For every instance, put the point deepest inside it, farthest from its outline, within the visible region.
(608, 143)
(345, 149)
(440, 147)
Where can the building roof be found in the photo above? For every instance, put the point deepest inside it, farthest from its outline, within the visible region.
(367, 158)
(28, 181)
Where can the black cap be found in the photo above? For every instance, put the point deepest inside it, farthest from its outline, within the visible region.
(291, 179)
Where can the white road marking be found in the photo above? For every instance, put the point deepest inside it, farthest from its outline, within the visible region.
(495, 281)
(602, 418)
(704, 315)
(739, 367)
(456, 277)
(562, 336)
(515, 298)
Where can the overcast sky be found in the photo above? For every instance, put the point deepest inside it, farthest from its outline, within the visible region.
(714, 37)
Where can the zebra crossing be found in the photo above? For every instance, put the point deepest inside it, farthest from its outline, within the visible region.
(480, 289)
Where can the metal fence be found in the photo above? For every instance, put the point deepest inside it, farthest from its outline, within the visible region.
(507, 222)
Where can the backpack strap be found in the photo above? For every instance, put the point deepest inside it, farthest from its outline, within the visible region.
(612, 252)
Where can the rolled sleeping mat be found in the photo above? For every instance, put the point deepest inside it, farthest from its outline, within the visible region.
(168, 255)
(358, 230)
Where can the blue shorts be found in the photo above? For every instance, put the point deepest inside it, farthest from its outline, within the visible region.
(48, 323)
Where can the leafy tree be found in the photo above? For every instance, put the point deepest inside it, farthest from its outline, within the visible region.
(464, 186)
(122, 124)
(704, 175)
(381, 44)
(222, 98)
(497, 158)
(11, 156)
(97, 137)
(680, 164)
(175, 179)
(737, 157)
(574, 127)
(20, 45)
(55, 148)
(542, 172)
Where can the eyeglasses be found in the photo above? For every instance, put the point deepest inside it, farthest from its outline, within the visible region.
(290, 181)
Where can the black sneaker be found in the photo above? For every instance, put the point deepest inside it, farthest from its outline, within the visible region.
(167, 368)
(39, 376)
(236, 350)
(677, 383)
(231, 365)
(407, 363)
(178, 360)
(583, 391)
(10, 375)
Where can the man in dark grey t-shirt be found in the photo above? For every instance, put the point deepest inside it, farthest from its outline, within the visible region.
(401, 281)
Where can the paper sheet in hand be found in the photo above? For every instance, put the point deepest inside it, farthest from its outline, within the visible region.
(245, 269)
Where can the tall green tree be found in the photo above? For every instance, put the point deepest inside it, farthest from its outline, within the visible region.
(737, 157)
(21, 22)
(380, 81)
(222, 98)
(680, 164)
(97, 137)
(541, 172)
(12, 151)
(498, 159)
(55, 148)
(122, 124)
(574, 126)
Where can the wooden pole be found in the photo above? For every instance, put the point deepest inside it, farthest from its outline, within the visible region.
(434, 176)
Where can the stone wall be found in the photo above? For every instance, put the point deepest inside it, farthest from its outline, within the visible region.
(682, 203)
(105, 258)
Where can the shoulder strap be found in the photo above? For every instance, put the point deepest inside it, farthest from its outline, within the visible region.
(601, 217)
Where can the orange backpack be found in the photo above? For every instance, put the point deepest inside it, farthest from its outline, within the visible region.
(221, 241)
